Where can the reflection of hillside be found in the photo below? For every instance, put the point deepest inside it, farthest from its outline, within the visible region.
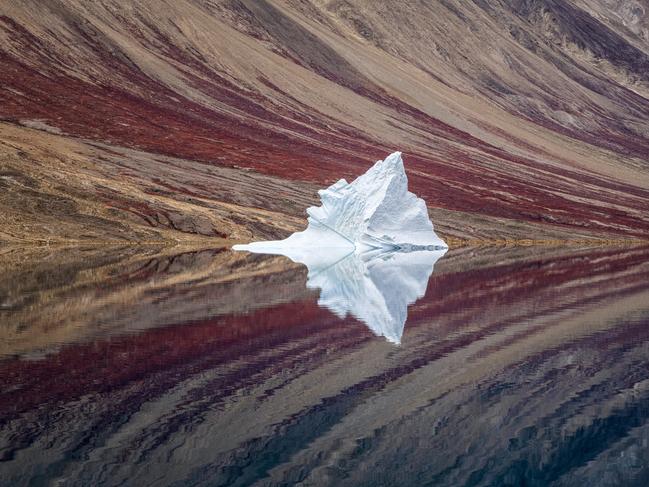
(505, 372)
(53, 296)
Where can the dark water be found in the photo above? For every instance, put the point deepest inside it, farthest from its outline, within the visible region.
(520, 367)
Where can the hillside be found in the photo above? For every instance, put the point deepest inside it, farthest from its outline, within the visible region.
(205, 119)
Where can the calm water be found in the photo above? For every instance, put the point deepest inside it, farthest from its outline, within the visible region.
(525, 366)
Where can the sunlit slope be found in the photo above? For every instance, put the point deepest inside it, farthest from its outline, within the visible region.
(530, 111)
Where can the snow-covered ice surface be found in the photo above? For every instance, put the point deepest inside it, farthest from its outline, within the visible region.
(370, 247)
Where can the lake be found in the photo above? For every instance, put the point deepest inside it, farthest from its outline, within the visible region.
(179, 367)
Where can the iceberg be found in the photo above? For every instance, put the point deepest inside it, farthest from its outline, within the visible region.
(370, 248)
(375, 211)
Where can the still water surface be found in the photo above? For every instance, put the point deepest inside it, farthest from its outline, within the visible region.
(523, 366)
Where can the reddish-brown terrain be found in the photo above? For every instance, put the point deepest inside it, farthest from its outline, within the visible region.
(139, 139)
(203, 120)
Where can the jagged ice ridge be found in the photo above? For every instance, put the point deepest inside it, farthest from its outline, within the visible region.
(375, 211)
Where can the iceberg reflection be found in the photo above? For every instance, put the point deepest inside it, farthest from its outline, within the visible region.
(376, 286)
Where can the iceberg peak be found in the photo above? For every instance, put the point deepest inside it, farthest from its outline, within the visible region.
(375, 211)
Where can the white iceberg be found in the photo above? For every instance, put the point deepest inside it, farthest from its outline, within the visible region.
(370, 248)
(376, 211)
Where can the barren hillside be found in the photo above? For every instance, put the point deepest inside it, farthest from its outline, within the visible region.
(219, 119)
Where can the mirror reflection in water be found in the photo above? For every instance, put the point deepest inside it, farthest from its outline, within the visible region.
(518, 366)
(375, 286)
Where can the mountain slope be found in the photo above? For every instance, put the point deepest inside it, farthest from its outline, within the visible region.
(523, 111)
